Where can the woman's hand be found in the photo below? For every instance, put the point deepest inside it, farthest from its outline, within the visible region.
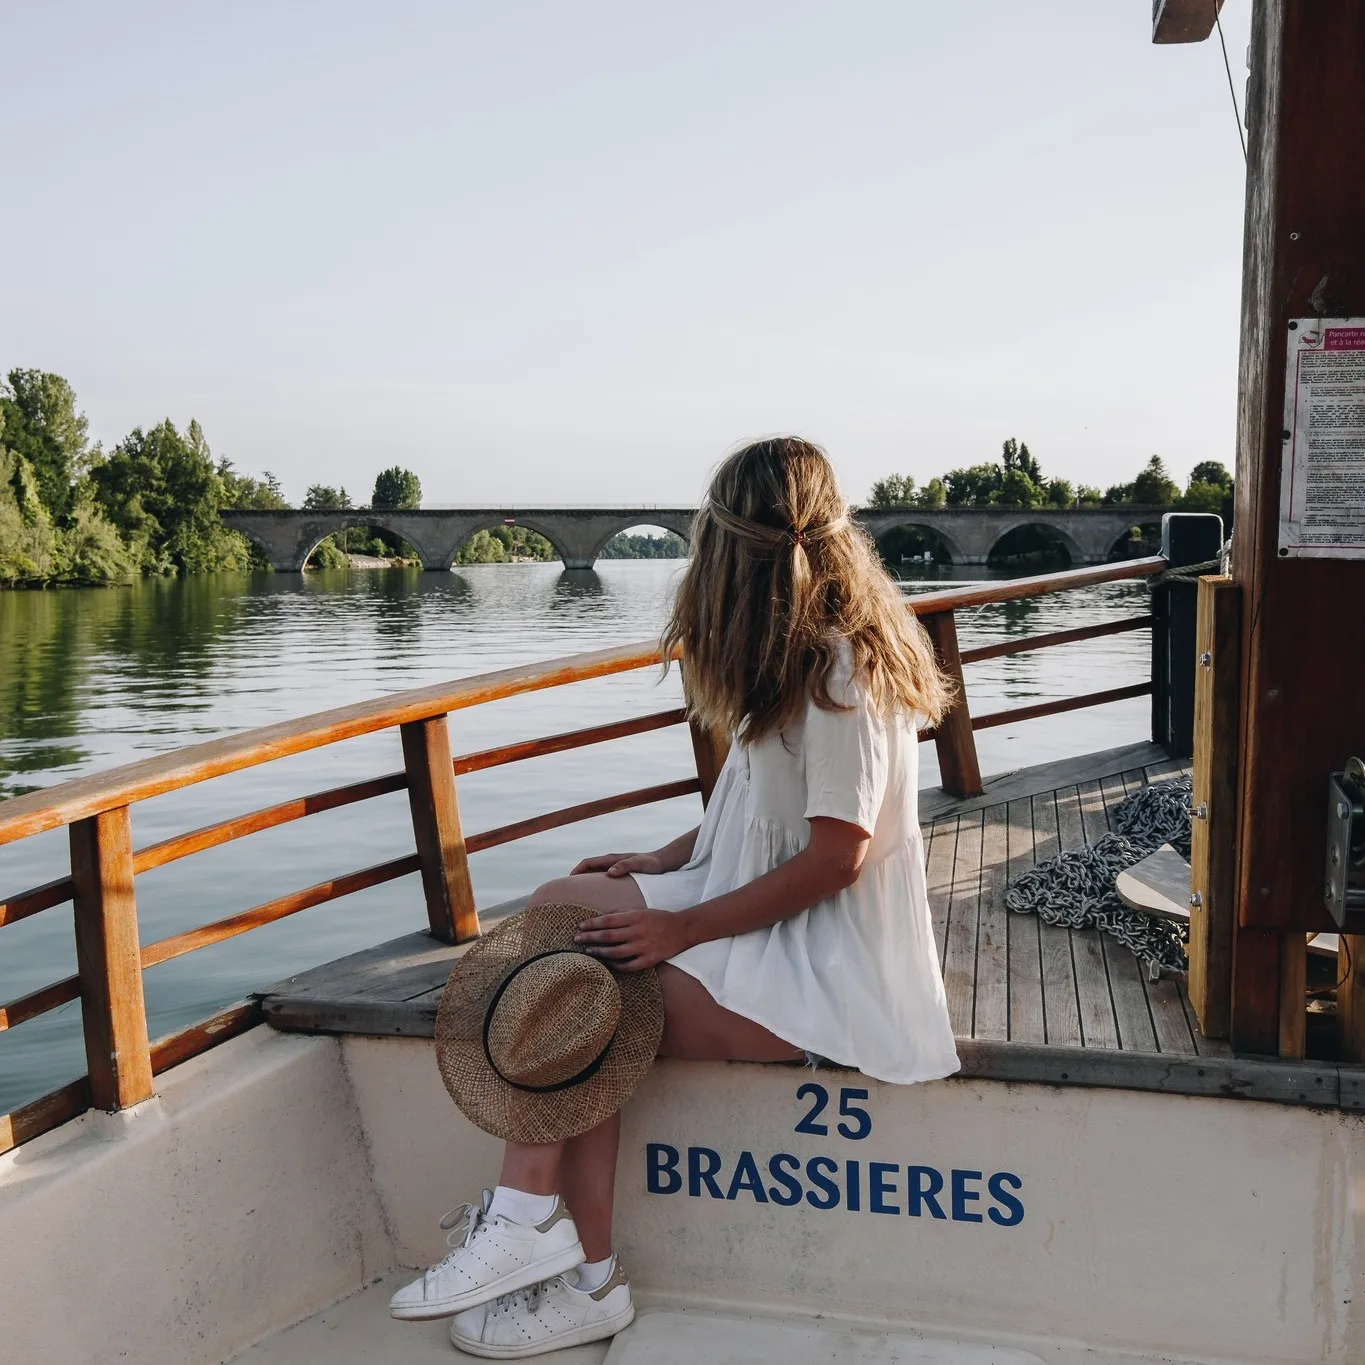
(619, 864)
(632, 940)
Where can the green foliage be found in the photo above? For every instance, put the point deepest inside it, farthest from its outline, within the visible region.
(1014, 456)
(1211, 471)
(1017, 489)
(482, 548)
(255, 495)
(666, 546)
(42, 425)
(162, 492)
(396, 489)
(321, 498)
(1058, 493)
(1087, 495)
(896, 490)
(975, 486)
(28, 545)
(1153, 487)
(90, 548)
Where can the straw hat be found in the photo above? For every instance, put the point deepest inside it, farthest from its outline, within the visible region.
(538, 1041)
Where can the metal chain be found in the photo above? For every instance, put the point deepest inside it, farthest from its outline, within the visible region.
(1076, 888)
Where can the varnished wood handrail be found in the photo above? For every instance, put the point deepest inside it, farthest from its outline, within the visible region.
(1052, 708)
(1026, 644)
(39, 1002)
(1016, 589)
(35, 812)
(569, 739)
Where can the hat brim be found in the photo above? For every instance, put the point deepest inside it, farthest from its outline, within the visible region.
(503, 1109)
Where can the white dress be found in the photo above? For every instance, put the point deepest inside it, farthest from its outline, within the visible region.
(855, 978)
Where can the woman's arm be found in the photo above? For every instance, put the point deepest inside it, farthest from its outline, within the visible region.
(636, 939)
(669, 858)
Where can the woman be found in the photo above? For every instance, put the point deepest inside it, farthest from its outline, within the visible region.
(792, 923)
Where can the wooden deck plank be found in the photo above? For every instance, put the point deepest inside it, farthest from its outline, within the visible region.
(1099, 1028)
(1131, 1010)
(1025, 961)
(934, 802)
(938, 874)
(1061, 1006)
(991, 1016)
(959, 956)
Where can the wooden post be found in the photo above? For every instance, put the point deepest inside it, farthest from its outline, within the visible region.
(1213, 846)
(709, 749)
(109, 961)
(436, 825)
(1186, 538)
(1351, 995)
(959, 771)
(1303, 620)
(1293, 994)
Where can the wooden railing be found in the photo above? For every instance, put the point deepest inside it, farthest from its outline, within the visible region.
(121, 1061)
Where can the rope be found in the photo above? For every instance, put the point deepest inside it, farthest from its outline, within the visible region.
(1227, 66)
(1076, 888)
(1188, 573)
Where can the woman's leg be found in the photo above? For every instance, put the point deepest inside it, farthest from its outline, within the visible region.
(582, 1170)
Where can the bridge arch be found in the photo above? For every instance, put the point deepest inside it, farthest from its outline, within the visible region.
(313, 535)
(663, 521)
(527, 521)
(1048, 525)
(929, 528)
(1149, 540)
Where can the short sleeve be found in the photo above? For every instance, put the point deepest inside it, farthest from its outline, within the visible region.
(846, 758)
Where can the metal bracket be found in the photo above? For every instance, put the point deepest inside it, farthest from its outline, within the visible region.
(1345, 886)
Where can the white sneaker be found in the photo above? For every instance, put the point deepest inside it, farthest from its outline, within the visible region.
(490, 1256)
(545, 1317)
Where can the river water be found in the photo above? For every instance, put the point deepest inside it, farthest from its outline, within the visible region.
(91, 679)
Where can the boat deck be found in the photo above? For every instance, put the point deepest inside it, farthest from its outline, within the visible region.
(1029, 1002)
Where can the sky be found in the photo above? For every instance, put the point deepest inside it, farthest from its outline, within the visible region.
(541, 252)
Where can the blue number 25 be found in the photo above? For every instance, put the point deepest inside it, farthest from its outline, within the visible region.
(862, 1120)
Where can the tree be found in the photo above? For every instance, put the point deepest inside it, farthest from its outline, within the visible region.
(1087, 495)
(1154, 486)
(1211, 471)
(397, 489)
(28, 547)
(896, 490)
(974, 486)
(256, 495)
(933, 494)
(321, 498)
(163, 492)
(42, 425)
(1017, 490)
(1058, 493)
(1016, 456)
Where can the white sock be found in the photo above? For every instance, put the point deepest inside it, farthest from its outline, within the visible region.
(519, 1207)
(594, 1274)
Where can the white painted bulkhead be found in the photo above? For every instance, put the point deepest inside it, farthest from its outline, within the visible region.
(280, 1173)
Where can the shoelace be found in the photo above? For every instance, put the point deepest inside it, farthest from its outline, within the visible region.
(460, 1226)
(531, 1296)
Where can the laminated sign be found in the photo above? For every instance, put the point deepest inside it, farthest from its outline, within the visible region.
(1322, 479)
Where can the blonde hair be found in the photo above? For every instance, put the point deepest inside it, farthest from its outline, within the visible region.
(778, 578)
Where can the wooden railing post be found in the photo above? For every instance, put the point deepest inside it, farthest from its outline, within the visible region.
(109, 961)
(436, 826)
(1213, 837)
(1186, 538)
(959, 770)
(709, 749)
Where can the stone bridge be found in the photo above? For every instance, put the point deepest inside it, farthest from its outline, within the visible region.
(968, 534)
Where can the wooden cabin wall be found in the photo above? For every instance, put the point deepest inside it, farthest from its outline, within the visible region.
(1303, 631)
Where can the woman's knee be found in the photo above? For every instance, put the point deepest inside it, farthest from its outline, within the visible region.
(593, 890)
